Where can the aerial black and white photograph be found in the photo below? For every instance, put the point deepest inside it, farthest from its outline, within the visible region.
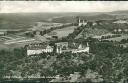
(63, 41)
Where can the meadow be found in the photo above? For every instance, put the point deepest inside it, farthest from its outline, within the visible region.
(64, 31)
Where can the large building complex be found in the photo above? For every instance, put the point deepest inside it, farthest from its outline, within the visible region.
(76, 47)
(60, 47)
(38, 48)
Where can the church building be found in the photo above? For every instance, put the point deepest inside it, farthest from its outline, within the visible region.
(81, 22)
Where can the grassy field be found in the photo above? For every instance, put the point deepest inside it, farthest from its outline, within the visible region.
(16, 44)
(14, 41)
(63, 32)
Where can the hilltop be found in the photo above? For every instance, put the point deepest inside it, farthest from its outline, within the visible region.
(27, 20)
(72, 19)
(125, 12)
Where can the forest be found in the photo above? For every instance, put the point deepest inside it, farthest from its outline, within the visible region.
(108, 60)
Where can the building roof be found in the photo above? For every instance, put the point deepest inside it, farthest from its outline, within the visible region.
(60, 43)
(37, 46)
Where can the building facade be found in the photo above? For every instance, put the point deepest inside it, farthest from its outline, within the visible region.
(64, 47)
(81, 22)
(39, 48)
(61, 46)
(81, 48)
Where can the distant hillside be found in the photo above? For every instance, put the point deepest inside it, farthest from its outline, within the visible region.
(100, 17)
(120, 12)
(25, 20)
(22, 20)
(65, 19)
(72, 19)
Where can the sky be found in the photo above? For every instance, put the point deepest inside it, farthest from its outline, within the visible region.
(61, 6)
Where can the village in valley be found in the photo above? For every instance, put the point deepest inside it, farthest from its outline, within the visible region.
(75, 51)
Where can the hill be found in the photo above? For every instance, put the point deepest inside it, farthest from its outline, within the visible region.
(21, 20)
(26, 20)
(72, 19)
(120, 12)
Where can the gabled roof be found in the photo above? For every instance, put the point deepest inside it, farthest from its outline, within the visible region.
(37, 46)
(61, 43)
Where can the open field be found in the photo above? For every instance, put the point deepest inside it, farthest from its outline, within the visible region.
(14, 41)
(10, 37)
(18, 41)
(11, 44)
(62, 32)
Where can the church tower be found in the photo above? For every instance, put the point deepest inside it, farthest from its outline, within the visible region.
(81, 22)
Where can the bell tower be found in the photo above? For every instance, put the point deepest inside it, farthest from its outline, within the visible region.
(81, 22)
